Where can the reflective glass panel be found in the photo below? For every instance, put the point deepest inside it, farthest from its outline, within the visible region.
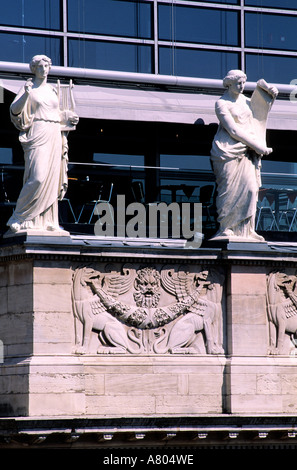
(230, 2)
(270, 31)
(111, 17)
(196, 63)
(187, 162)
(5, 155)
(22, 47)
(287, 4)
(275, 69)
(42, 14)
(198, 25)
(120, 160)
(110, 56)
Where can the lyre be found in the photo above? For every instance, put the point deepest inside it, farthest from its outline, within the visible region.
(66, 103)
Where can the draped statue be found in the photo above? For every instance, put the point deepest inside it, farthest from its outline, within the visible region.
(36, 113)
(237, 149)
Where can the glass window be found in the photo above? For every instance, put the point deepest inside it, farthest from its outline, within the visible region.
(121, 160)
(231, 2)
(270, 31)
(198, 25)
(186, 162)
(110, 56)
(183, 176)
(275, 69)
(196, 63)
(22, 47)
(5, 156)
(287, 4)
(111, 17)
(42, 14)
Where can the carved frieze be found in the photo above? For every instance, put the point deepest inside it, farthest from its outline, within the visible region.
(143, 309)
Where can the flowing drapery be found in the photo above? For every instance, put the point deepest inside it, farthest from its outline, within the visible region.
(45, 171)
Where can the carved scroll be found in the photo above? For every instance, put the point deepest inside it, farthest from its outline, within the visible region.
(261, 102)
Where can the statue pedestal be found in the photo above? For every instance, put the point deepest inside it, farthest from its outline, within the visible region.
(43, 375)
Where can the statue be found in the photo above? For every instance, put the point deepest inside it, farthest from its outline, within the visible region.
(237, 149)
(282, 310)
(37, 115)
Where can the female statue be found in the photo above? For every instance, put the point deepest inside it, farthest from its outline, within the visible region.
(35, 112)
(236, 155)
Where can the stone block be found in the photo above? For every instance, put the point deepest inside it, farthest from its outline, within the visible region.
(119, 406)
(3, 275)
(249, 340)
(52, 298)
(20, 273)
(247, 280)
(94, 384)
(256, 404)
(53, 333)
(56, 404)
(269, 384)
(206, 384)
(20, 298)
(4, 301)
(142, 384)
(52, 272)
(189, 405)
(289, 404)
(16, 333)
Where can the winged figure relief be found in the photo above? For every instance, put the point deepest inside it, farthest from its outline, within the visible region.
(131, 313)
(199, 299)
(282, 310)
(94, 294)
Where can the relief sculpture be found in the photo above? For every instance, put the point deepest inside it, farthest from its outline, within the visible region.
(147, 310)
(282, 311)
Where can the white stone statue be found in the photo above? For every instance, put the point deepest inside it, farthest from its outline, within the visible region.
(36, 114)
(237, 149)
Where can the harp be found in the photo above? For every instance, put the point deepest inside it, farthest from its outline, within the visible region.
(66, 104)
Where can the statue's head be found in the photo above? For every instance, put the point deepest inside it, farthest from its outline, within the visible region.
(37, 59)
(233, 76)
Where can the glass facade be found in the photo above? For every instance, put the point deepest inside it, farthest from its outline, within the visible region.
(151, 162)
(188, 38)
(111, 17)
(38, 14)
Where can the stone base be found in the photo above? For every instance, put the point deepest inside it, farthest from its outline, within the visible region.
(43, 375)
(36, 233)
(112, 386)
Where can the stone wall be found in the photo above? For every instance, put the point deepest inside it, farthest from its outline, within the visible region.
(171, 333)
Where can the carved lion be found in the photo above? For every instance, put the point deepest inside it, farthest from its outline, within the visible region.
(92, 315)
(203, 311)
(282, 310)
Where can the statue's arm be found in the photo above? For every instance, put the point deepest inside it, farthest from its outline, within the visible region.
(237, 132)
(19, 103)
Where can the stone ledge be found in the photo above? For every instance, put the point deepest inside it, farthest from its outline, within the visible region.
(30, 244)
(213, 432)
